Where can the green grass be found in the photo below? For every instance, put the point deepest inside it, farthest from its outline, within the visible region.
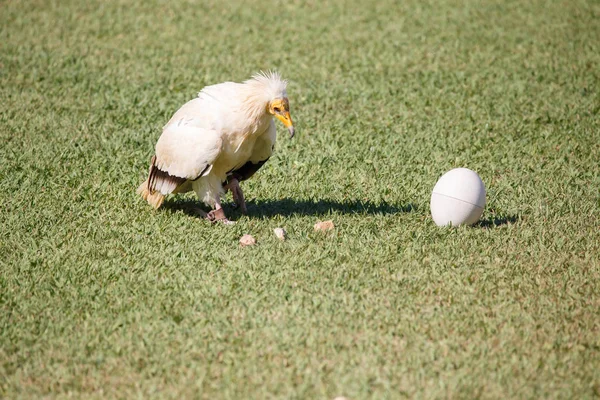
(100, 296)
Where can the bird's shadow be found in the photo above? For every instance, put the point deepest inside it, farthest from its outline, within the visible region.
(289, 207)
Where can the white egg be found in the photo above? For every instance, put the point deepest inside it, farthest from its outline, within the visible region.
(458, 198)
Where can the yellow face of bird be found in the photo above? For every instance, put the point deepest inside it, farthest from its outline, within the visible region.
(280, 108)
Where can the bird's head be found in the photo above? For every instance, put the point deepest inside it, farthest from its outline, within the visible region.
(268, 88)
(280, 108)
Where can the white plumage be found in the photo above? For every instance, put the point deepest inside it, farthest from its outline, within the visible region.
(221, 137)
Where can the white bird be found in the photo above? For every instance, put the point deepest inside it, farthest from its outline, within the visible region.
(217, 140)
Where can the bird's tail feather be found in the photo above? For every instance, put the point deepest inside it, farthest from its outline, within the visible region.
(155, 199)
(159, 184)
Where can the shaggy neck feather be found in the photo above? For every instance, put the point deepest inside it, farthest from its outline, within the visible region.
(255, 102)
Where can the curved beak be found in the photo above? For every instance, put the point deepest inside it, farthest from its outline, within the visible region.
(286, 119)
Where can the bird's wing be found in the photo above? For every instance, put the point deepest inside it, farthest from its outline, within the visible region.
(184, 151)
(221, 92)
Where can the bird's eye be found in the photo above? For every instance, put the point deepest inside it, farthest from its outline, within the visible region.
(277, 109)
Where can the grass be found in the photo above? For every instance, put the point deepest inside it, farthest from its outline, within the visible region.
(100, 296)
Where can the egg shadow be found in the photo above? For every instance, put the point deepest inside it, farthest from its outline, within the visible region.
(289, 207)
(495, 221)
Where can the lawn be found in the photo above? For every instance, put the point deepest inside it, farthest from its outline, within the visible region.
(103, 297)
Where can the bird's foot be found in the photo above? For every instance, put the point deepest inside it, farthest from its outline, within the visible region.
(238, 195)
(200, 212)
(218, 216)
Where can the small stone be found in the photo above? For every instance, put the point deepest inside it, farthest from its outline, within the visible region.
(341, 398)
(280, 233)
(324, 226)
(247, 240)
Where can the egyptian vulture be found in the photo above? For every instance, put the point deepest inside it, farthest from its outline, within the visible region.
(217, 140)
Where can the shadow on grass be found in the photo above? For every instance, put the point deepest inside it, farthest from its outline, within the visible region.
(493, 222)
(289, 207)
(286, 207)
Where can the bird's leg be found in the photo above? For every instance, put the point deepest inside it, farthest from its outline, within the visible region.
(233, 184)
(218, 214)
